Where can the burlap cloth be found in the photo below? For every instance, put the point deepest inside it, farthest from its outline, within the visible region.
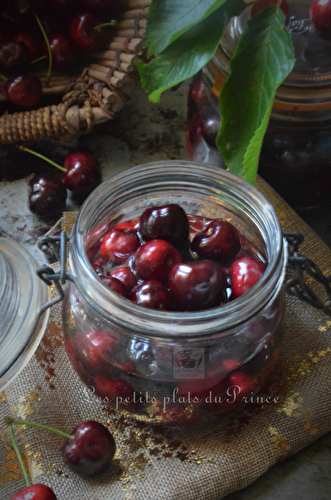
(207, 461)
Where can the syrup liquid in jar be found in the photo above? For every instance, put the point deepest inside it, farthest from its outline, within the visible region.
(169, 363)
(296, 153)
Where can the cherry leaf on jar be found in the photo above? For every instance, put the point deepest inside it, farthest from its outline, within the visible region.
(188, 53)
(262, 60)
(168, 19)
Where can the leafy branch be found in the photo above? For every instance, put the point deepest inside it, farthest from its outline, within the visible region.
(183, 35)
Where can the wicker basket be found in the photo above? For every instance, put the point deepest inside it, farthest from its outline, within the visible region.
(94, 96)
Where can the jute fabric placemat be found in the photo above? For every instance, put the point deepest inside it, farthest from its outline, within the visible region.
(206, 461)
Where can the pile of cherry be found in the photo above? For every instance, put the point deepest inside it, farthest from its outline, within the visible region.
(158, 262)
(62, 32)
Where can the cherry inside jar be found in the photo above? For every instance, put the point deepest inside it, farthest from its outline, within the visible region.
(174, 364)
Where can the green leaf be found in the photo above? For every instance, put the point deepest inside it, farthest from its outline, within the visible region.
(188, 54)
(262, 60)
(168, 19)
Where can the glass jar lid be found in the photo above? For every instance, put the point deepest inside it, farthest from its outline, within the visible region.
(22, 294)
(306, 92)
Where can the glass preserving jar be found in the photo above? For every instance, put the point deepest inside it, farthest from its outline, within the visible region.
(23, 317)
(296, 152)
(174, 367)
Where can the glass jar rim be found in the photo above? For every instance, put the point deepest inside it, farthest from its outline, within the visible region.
(120, 310)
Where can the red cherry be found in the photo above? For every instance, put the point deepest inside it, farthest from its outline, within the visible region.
(30, 41)
(14, 57)
(95, 348)
(119, 244)
(97, 5)
(154, 259)
(90, 450)
(168, 222)
(47, 196)
(115, 285)
(245, 273)
(126, 276)
(218, 240)
(196, 285)
(65, 54)
(151, 294)
(262, 4)
(83, 32)
(245, 383)
(320, 15)
(23, 90)
(35, 492)
(112, 389)
(98, 265)
(82, 173)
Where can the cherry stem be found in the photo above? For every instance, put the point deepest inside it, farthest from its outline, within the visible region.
(110, 23)
(38, 59)
(3, 77)
(48, 74)
(9, 421)
(27, 150)
(19, 456)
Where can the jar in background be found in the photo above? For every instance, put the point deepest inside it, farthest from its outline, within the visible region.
(296, 152)
(174, 368)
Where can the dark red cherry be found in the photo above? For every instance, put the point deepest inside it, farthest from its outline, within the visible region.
(196, 285)
(115, 285)
(23, 90)
(95, 348)
(320, 15)
(97, 5)
(245, 272)
(262, 4)
(30, 41)
(47, 196)
(90, 450)
(35, 492)
(82, 173)
(65, 55)
(154, 259)
(119, 244)
(218, 240)
(116, 391)
(99, 265)
(167, 222)
(14, 57)
(83, 32)
(151, 294)
(126, 276)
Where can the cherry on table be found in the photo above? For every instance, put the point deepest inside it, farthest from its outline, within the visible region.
(35, 492)
(196, 285)
(47, 196)
(151, 294)
(154, 259)
(119, 244)
(320, 15)
(82, 173)
(167, 222)
(30, 41)
(23, 90)
(245, 273)
(218, 240)
(83, 32)
(14, 57)
(90, 450)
